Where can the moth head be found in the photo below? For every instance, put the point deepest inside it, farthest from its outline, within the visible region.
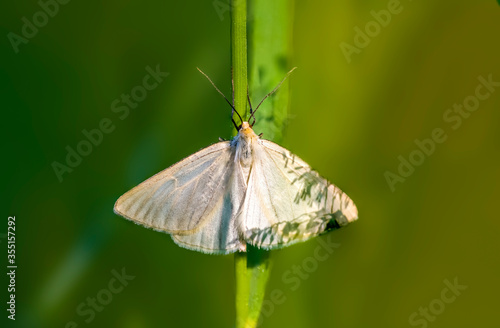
(245, 125)
(246, 130)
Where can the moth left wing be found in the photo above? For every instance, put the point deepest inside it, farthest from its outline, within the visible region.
(194, 200)
(287, 202)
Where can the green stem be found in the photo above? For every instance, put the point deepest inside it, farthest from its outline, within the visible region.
(239, 54)
(258, 270)
(252, 272)
(269, 51)
(239, 70)
(242, 288)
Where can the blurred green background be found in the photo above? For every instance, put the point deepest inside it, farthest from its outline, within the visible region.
(349, 120)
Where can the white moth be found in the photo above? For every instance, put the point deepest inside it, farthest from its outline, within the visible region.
(247, 190)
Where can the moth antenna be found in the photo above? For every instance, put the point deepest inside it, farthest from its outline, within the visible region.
(232, 84)
(251, 110)
(220, 92)
(232, 92)
(274, 90)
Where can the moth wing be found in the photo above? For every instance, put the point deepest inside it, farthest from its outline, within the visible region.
(287, 202)
(193, 197)
(221, 234)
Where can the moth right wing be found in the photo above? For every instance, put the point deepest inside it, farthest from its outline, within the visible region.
(287, 202)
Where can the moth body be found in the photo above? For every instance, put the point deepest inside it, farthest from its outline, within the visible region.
(244, 144)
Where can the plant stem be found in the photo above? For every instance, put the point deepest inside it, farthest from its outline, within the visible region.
(252, 273)
(270, 45)
(239, 54)
(258, 271)
(242, 288)
(239, 70)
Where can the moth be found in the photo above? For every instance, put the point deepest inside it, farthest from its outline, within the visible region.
(244, 191)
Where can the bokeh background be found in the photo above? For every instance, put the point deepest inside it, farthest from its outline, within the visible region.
(349, 120)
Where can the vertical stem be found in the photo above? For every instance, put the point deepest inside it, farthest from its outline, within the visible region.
(258, 270)
(242, 288)
(239, 69)
(239, 54)
(270, 45)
